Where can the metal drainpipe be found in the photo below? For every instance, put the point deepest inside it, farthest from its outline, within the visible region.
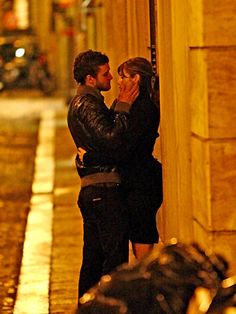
(152, 15)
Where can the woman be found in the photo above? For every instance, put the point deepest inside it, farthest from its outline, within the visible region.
(140, 172)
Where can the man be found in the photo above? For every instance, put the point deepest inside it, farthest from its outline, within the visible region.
(99, 131)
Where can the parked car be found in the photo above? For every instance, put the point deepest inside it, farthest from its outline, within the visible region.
(23, 65)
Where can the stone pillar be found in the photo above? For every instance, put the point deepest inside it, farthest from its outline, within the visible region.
(41, 19)
(41, 22)
(198, 131)
(175, 120)
(212, 98)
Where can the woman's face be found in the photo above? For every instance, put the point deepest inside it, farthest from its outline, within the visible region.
(125, 77)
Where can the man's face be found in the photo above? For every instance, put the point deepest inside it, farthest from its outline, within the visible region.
(104, 77)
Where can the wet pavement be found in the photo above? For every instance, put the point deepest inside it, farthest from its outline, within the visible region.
(18, 140)
(33, 197)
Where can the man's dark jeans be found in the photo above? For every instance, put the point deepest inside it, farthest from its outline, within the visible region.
(105, 232)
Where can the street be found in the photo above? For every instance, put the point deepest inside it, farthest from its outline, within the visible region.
(40, 239)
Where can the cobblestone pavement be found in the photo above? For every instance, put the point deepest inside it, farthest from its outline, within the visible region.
(18, 142)
(67, 226)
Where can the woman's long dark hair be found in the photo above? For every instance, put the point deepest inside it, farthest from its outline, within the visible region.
(149, 81)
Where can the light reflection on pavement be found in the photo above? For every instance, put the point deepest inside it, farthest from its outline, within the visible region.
(33, 288)
(15, 108)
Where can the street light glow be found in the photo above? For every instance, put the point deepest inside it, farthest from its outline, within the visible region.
(20, 52)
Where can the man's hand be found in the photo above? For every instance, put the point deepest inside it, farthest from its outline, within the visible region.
(129, 91)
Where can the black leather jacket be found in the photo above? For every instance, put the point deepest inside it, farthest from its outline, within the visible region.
(96, 129)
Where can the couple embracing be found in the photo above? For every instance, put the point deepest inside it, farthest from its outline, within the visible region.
(121, 181)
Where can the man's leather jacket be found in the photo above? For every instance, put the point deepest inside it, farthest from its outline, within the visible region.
(96, 129)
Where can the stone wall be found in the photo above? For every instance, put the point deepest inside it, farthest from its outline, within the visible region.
(198, 80)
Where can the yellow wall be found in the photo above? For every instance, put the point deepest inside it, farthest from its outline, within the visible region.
(175, 120)
(212, 97)
(124, 35)
(198, 86)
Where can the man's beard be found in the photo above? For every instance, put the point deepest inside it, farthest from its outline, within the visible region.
(103, 88)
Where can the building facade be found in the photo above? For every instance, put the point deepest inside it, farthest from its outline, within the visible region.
(195, 60)
(198, 83)
(193, 45)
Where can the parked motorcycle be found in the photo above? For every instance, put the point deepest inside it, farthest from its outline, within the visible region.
(23, 65)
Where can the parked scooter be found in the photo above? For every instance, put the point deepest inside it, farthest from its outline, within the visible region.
(22, 65)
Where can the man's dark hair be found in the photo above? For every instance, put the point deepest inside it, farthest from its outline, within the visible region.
(87, 63)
